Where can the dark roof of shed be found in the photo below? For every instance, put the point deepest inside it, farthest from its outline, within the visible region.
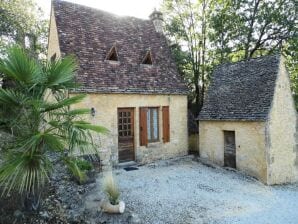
(242, 90)
(90, 34)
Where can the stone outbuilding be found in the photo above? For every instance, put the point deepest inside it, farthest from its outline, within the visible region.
(248, 120)
(132, 83)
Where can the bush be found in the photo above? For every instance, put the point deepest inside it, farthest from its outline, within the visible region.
(84, 165)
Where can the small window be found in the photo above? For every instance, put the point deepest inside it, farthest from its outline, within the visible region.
(152, 124)
(112, 55)
(147, 60)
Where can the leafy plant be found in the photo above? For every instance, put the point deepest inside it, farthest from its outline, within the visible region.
(38, 114)
(75, 169)
(78, 168)
(111, 189)
(84, 164)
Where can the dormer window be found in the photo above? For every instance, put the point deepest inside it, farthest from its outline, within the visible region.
(147, 60)
(112, 55)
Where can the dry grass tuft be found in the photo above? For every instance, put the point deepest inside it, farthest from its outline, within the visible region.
(111, 189)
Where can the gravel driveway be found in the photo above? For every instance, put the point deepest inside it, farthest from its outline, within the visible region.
(186, 191)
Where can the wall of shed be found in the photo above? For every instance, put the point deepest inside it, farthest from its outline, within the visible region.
(281, 133)
(250, 145)
(106, 115)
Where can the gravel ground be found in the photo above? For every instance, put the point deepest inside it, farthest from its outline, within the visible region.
(186, 191)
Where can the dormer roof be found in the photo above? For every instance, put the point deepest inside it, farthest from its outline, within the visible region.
(90, 33)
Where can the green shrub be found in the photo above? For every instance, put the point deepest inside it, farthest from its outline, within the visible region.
(84, 164)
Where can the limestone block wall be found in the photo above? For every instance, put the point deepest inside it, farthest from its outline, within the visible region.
(106, 115)
(250, 145)
(53, 41)
(281, 133)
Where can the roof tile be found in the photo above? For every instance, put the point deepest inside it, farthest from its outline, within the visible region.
(89, 34)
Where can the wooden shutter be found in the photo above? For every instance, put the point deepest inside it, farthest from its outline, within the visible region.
(143, 126)
(166, 123)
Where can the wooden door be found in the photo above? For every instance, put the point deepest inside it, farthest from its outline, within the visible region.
(229, 149)
(126, 134)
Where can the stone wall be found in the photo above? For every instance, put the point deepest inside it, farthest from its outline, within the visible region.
(250, 145)
(53, 41)
(281, 130)
(106, 115)
(193, 141)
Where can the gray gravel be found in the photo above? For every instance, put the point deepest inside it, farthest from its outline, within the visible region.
(187, 191)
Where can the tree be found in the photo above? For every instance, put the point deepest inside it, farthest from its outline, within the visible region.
(187, 27)
(36, 112)
(253, 27)
(22, 22)
(244, 29)
(223, 21)
(290, 50)
(206, 33)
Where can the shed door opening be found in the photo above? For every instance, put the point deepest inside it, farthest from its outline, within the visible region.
(229, 149)
(126, 134)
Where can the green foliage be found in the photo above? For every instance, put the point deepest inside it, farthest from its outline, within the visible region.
(73, 166)
(37, 113)
(187, 28)
(111, 189)
(206, 33)
(84, 164)
(22, 22)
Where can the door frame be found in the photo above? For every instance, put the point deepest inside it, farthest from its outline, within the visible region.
(133, 129)
(224, 148)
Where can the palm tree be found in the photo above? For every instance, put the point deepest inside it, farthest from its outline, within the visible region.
(37, 113)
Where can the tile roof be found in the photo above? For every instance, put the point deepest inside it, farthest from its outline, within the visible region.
(242, 90)
(90, 34)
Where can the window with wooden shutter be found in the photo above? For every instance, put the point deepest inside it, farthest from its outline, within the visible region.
(153, 124)
(166, 123)
(143, 126)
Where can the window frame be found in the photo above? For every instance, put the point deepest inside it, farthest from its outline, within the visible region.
(152, 140)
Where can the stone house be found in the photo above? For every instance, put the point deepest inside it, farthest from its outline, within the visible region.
(133, 86)
(248, 120)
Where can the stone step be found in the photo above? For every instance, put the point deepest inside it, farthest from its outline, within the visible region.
(126, 164)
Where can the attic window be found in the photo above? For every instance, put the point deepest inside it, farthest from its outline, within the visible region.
(147, 60)
(112, 55)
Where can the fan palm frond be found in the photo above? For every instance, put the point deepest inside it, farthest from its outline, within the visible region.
(39, 125)
(64, 103)
(60, 72)
(24, 173)
(19, 67)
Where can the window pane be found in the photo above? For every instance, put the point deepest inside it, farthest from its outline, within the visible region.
(148, 124)
(155, 124)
